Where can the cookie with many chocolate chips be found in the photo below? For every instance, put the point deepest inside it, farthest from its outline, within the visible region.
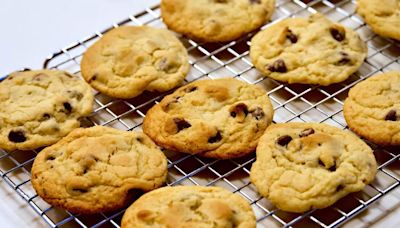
(129, 60)
(190, 206)
(372, 109)
(98, 169)
(38, 108)
(310, 50)
(216, 20)
(220, 118)
(383, 16)
(304, 166)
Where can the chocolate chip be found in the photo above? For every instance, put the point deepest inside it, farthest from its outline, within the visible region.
(80, 190)
(278, 66)
(258, 113)
(67, 107)
(221, 1)
(306, 132)
(344, 59)
(93, 78)
(45, 116)
(391, 115)
(239, 110)
(190, 89)
(50, 158)
(332, 168)
(337, 35)
(139, 139)
(75, 94)
(339, 188)
(321, 163)
(284, 140)
(215, 138)
(181, 124)
(291, 36)
(255, 1)
(16, 136)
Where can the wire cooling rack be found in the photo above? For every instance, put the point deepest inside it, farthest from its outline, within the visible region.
(291, 102)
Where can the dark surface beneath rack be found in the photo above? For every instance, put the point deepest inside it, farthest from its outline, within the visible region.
(291, 103)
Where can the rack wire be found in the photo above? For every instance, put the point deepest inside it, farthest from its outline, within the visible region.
(291, 103)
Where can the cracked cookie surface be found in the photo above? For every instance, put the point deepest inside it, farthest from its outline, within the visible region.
(303, 166)
(38, 108)
(98, 169)
(221, 118)
(310, 50)
(372, 108)
(383, 16)
(128, 60)
(190, 206)
(216, 20)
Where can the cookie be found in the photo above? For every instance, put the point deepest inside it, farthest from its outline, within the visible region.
(216, 20)
(372, 109)
(383, 16)
(128, 60)
(221, 118)
(38, 108)
(304, 166)
(98, 169)
(190, 206)
(310, 50)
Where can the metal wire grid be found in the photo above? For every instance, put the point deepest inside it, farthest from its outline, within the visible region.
(291, 103)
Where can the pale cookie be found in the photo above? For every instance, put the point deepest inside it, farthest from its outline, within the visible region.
(190, 206)
(310, 50)
(216, 20)
(128, 60)
(372, 109)
(98, 169)
(304, 166)
(221, 118)
(383, 16)
(38, 108)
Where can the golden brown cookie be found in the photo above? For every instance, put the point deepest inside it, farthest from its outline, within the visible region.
(38, 108)
(221, 118)
(216, 20)
(128, 60)
(304, 166)
(372, 109)
(310, 50)
(190, 206)
(98, 169)
(383, 16)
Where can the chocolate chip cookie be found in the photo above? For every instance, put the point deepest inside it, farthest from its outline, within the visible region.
(216, 20)
(98, 169)
(190, 206)
(310, 50)
(128, 60)
(303, 166)
(383, 16)
(372, 109)
(221, 118)
(38, 108)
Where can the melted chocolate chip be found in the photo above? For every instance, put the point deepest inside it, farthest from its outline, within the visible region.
(45, 116)
(278, 66)
(215, 138)
(67, 107)
(291, 36)
(50, 158)
(391, 115)
(284, 140)
(332, 168)
(321, 163)
(339, 188)
(181, 124)
(16, 136)
(75, 94)
(344, 60)
(239, 109)
(258, 113)
(255, 1)
(93, 78)
(80, 190)
(139, 139)
(190, 89)
(307, 132)
(337, 35)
